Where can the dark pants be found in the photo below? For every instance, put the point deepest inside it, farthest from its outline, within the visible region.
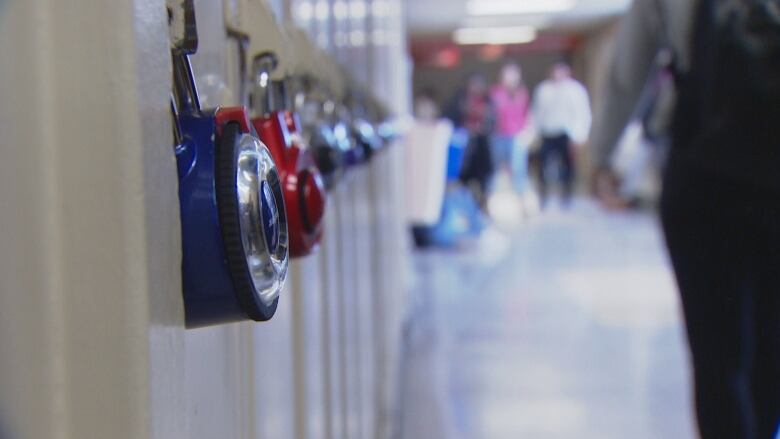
(477, 167)
(724, 241)
(556, 147)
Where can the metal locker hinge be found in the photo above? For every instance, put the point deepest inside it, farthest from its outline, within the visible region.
(182, 26)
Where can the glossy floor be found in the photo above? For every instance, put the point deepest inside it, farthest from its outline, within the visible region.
(566, 326)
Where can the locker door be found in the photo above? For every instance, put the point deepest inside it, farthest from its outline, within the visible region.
(332, 333)
(365, 295)
(308, 288)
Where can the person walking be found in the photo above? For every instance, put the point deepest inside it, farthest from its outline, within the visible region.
(720, 206)
(561, 112)
(473, 111)
(511, 102)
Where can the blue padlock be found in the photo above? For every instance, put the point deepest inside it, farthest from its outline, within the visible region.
(233, 217)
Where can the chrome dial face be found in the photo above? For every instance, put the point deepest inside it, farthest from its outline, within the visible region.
(270, 217)
(262, 218)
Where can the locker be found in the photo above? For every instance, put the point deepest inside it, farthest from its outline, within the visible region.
(108, 235)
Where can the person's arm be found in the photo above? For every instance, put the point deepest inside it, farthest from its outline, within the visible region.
(534, 115)
(638, 41)
(584, 118)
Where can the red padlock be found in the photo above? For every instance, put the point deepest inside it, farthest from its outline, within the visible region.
(302, 184)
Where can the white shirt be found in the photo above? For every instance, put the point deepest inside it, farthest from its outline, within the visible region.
(562, 107)
(426, 148)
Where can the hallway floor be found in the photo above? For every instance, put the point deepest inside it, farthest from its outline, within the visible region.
(566, 327)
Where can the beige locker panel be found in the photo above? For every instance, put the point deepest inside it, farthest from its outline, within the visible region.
(391, 283)
(92, 342)
(332, 334)
(273, 374)
(218, 400)
(351, 330)
(364, 297)
(308, 288)
(90, 305)
(382, 315)
(346, 312)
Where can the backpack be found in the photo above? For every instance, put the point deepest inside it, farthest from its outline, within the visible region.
(729, 100)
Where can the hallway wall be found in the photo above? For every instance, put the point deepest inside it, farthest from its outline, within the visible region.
(447, 82)
(592, 59)
(588, 53)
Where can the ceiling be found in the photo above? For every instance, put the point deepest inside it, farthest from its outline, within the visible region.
(436, 18)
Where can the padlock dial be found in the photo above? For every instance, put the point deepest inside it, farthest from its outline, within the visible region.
(253, 221)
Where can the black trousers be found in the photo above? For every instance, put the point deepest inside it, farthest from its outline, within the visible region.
(477, 167)
(556, 147)
(724, 241)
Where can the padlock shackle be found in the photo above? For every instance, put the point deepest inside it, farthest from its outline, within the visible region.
(270, 95)
(185, 91)
(178, 139)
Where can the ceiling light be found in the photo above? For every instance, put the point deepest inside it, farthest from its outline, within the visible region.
(495, 35)
(305, 11)
(380, 8)
(321, 10)
(539, 21)
(358, 10)
(517, 7)
(340, 10)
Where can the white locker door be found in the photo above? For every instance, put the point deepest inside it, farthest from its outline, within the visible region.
(331, 328)
(308, 287)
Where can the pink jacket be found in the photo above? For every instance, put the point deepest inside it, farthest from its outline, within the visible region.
(511, 110)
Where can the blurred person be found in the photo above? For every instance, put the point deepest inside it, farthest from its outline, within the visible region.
(720, 205)
(473, 111)
(511, 102)
(643, 146)
(426, 147)
(561, 112)
(426, 110)
(439, 209)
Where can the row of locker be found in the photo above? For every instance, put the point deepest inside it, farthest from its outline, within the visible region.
(93, 337)
(253, 190)
(326, 365)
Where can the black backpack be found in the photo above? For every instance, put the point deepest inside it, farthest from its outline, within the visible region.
(728, 112)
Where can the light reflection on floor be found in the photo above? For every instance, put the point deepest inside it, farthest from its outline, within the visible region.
(565, 327)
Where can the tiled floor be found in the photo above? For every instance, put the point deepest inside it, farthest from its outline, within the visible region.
(566, 327)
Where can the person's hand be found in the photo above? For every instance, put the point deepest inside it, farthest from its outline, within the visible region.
(575, 150)
(606, 186)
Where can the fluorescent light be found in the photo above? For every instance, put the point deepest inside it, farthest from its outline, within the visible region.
(358, 10)
(539, 21)
(495, 35)
(322, 10)
(340, 10)
(305, 11)
(518, 7)
(380, 8)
